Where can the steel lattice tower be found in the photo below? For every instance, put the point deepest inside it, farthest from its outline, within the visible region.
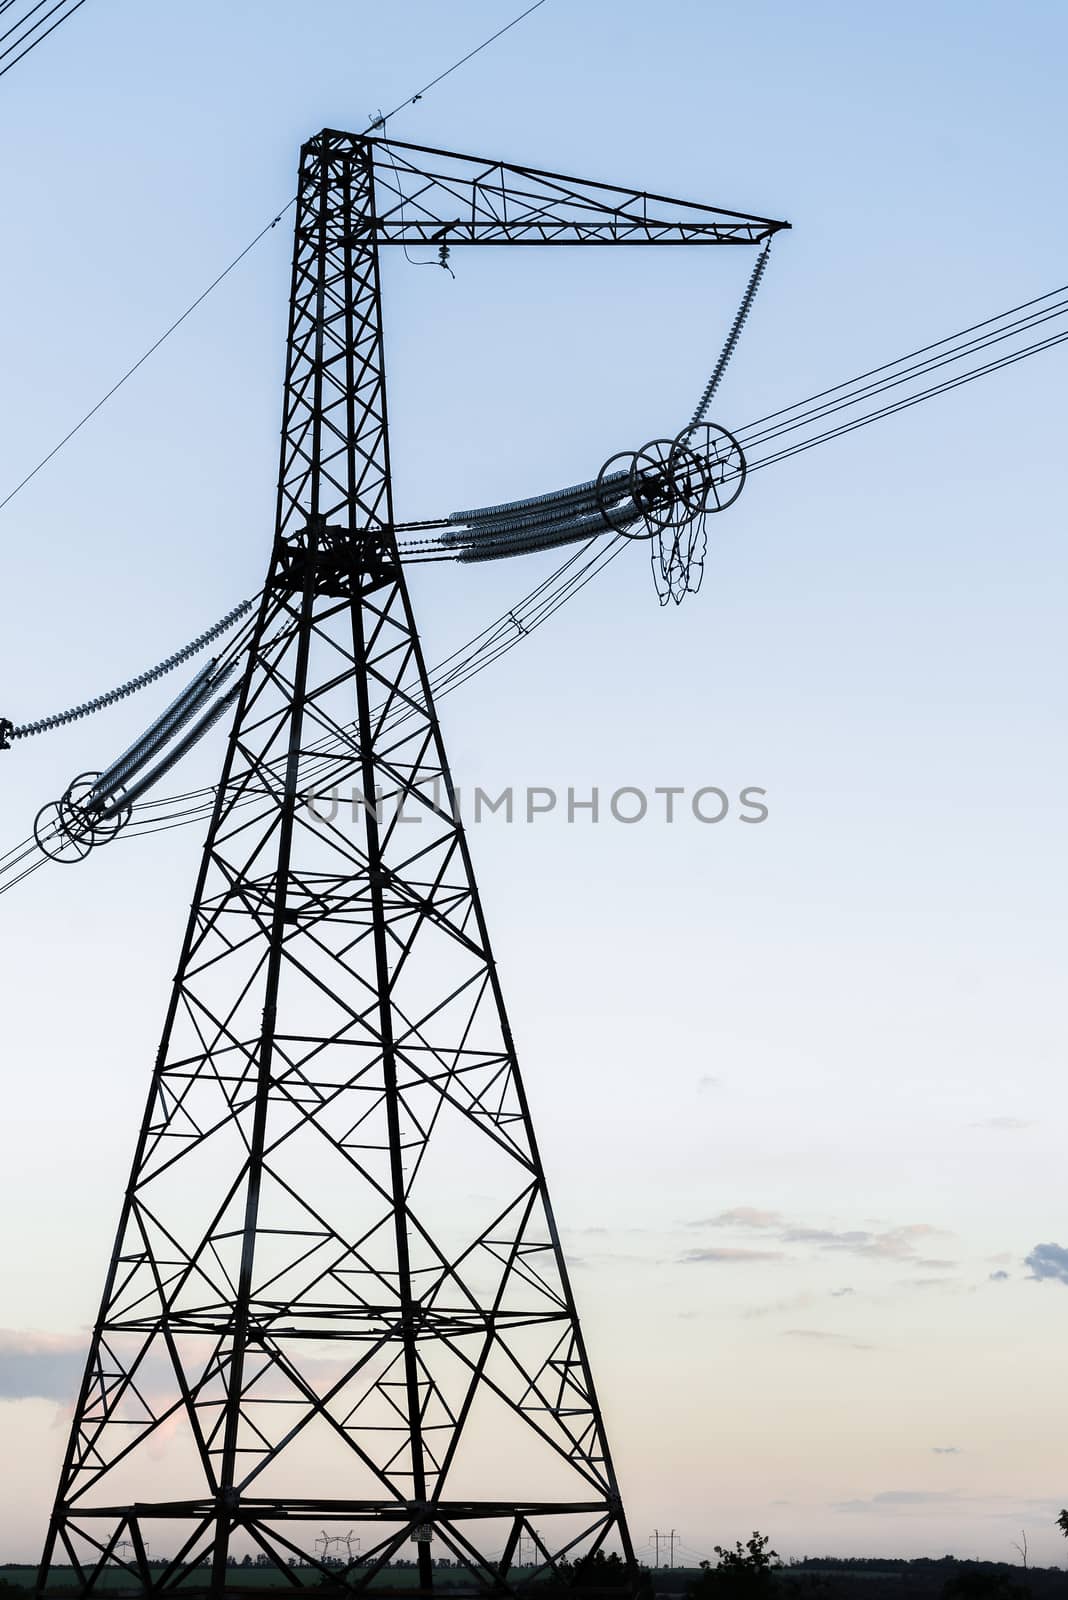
(337, 1293)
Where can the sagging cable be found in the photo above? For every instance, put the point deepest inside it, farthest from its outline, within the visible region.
(27, 730)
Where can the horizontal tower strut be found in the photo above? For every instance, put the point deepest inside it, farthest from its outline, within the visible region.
(427, 196)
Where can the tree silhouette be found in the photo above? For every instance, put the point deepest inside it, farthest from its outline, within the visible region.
(744, 1572)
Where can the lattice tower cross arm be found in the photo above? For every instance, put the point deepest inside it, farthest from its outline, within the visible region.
(426, 196)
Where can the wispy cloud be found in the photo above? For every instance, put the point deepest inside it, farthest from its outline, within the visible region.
(795, 1302)
(597, 1258)
(771, 1308)
(742, 1217)
(892, 1244)
(899, 1243)
(40, 1366)
(1003, 1124)
(727, 1257)
(1005, 1507)
(707, 1082)
(823, 1335)
(893, 1501)
(946, 1450)
(1048, 1261)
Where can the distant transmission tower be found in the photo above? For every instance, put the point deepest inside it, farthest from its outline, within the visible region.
(337, 1297)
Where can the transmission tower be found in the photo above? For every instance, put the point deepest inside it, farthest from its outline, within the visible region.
(337, 1297)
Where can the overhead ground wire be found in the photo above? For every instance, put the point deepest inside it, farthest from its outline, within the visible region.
(378, 122)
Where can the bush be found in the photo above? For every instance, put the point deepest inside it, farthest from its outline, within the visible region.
(747, 1570)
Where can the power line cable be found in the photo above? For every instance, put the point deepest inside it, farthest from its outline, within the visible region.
(132, 685)
(464, 664)
(488, 647)
(128, 374)
(23, 19)
(906, 403)
(860, 391)
(846, 396)
(380, 121)
(41, 37)
(225, 273)
(849, 394)
(544, 600)
(886, 366)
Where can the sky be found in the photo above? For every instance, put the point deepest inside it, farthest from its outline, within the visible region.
(799, 1086)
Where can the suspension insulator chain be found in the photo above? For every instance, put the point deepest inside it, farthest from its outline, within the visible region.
(732, 338)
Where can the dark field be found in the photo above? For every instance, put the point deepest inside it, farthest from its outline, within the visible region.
(815, 1578)
(244, 1579)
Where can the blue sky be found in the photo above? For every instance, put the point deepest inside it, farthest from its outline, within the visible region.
(799, 1086)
